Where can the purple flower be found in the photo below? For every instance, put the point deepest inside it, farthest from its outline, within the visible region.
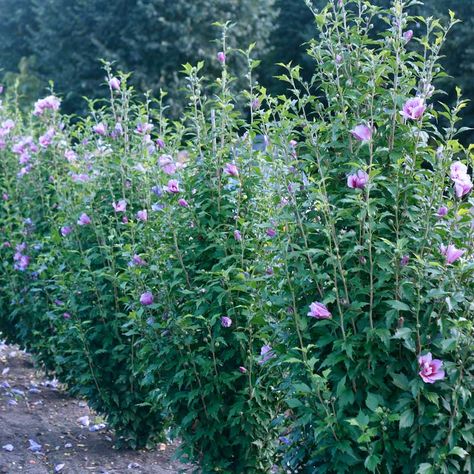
(430, 368)
(358, 180)
(463, 186)
(266, 353)
(221, 57)
(458, 170)
(46, 139)
(80, 178)
(22, 262)
(408, 35)
(231, 169)
(5, 197)
(114, 83)
(237, 235)
(414, 108)
(362, 133)
(173, 186)
(451, 253)
(157, 191)
(226, 322)
(255, 105)
(66, 230)
(125, 219)
(167, 164)
(142, 215)
(120, 206)
(404, 261)
(183, 203)
(442, 211)
(146, 299)
(66, 316)
(144, 128)
(84, 219)
(51, 102)
(137, 261)
(271, 232)
(100, 128)
(70, 156)
(242, 370)
(338, 59)
(160, 143)
(319, 311)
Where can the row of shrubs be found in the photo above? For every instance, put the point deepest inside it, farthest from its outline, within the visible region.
(288, 284)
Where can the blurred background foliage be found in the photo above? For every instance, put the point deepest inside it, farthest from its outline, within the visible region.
(62, 41)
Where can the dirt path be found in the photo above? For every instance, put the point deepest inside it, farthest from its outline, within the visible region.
(33, 408)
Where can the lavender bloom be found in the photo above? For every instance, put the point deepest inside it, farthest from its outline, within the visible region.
(84, 219)
(231, 169)
(66, 230)
(226, 322)
(120, 206)
(100, 128)
(137, 261)
(142, 215)
(237, 235)
(146, 299)
(271, 232)
(114, 83)
(404, 261)
(160, 143)
(221, 57)
(51, 102)
(266, 353)
(442, 211)
(183, 203)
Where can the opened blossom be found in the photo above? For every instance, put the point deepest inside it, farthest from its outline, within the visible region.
(442, 211)
(84, 219)
(231, 169)
(48, 103)
(451, 253)
(120, 206)
(362, 133)
(266, 353)
(408, 35)
(100, 129)
(430, 368)
(142, 215)
(358, 180)
(137, 261)
(463, 186)
(66, 230)
(173, 186)
(167, 164)
(414, 108)
(319, 311)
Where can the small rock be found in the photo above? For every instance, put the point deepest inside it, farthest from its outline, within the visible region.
(8, 447)
(161, 447)
(34, 446)
(5, 370)
(134, 465)
(59, 467)
(68, 445)
(12, 402)
(98, 427)
(84, 420)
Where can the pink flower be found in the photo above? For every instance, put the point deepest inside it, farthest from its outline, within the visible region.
(172, 187)
(237, 235)
(226, 322)
(408, 35)
(430, 368)
(319, 311)
(338, 59)
(167, 164)
(404, 261)
(271, 232)
(442, 211)
(137, 261)
(114, 83)
(458, 170)
(451, 253)
(144, 128)
(66, 315)
(120, 206)
(142, 215)
(100, 128)
(51, 102)
(414, 108)
(221, 57)
(84, 219)
(183, 203)
(146, 299)
(266, 353)
(66, 230)
(242, 370)
(462, 186)
(231, 169)
(362, 133)
(358, 180)
(70, 156)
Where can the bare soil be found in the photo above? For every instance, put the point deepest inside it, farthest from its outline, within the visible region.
(36, 409)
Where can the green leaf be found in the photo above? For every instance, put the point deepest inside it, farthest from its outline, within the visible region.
(462, 453)
(371, 462)
(425, 468)
(407, 418)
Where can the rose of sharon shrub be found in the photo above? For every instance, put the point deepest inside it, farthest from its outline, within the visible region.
(289, 285)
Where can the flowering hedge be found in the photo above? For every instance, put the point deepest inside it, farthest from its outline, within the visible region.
(288, 285)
